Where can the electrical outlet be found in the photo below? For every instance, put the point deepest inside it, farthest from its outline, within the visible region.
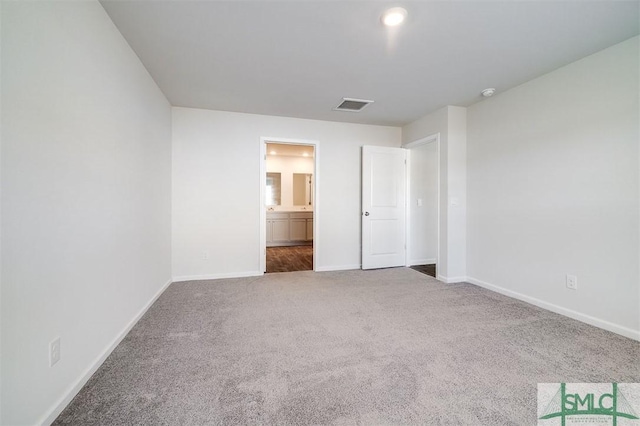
(54, 352)
(205, 255)
(572, 282)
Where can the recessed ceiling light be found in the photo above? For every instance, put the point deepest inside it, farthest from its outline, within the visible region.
(394, 16)
(488, 92)
(305, 154)
(272, 152)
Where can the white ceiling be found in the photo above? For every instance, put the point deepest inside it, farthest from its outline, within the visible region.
(299, 59)
(290, 150)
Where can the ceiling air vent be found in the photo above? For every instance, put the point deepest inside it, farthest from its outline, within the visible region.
(352, 105)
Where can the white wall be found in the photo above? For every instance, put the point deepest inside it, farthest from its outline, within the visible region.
(553, 189)
(450, 123)
(287, 166)
(422, 246)
(1, 357)
(457, 190)
(216, 189)
(86, 180)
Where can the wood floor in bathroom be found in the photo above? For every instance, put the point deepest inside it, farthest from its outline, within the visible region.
(289, 259)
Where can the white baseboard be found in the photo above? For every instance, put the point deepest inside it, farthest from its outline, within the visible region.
(72, 391)
(451, 280)
(421, 262)
(338, 268)
(596, 322)
(217, 276)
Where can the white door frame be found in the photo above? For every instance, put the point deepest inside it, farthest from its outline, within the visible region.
(435, 138)
(262, 256)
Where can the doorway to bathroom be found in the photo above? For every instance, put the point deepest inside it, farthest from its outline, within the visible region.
(289, 201)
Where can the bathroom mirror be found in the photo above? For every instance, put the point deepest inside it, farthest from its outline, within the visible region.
(302, 189)
(273, 193)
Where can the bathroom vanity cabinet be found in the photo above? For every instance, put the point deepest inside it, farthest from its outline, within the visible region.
(289, 228)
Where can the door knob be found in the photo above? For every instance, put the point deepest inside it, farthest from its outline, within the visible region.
(366, 213)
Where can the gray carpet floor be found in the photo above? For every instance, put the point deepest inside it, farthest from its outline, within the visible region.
(348, 348)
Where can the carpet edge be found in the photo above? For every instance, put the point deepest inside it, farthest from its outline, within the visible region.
(58, 407)
(579, 316)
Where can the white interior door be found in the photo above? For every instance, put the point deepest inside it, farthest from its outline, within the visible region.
(383, 207)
